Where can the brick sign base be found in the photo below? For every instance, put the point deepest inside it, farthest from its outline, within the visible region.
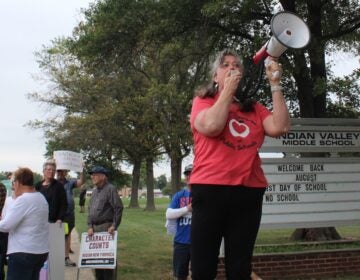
(303, 265)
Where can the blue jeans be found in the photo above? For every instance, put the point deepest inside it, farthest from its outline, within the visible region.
(25, 266)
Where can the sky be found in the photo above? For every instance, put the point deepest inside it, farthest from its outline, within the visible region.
(26, 26)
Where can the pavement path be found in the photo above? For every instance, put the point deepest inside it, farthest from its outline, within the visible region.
(71, 272)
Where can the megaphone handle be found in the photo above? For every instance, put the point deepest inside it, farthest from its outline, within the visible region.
(275, 74)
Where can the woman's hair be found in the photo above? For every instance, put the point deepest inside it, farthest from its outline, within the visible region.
(49, 162)
(211, 89)
(24, 176)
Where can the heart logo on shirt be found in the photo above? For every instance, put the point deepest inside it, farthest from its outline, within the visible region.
(238, 129)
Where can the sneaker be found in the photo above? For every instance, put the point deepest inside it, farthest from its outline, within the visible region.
(69, 262)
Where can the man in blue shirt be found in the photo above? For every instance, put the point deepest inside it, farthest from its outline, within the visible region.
(179, 212)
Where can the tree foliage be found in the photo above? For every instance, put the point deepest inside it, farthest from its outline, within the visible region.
(120, 88)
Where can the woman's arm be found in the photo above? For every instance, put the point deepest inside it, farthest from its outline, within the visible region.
(278, 122)
(211, 122)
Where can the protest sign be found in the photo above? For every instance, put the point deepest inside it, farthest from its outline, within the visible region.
(68, 160)
(98, 250)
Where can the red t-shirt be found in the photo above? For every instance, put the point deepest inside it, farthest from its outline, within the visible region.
(230, 158)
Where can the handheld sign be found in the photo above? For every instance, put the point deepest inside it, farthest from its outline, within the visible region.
(98, 251)
(68, 160)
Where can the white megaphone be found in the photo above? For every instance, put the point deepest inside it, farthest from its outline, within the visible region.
(289, 31)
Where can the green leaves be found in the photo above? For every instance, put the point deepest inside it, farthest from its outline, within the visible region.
(122, 85)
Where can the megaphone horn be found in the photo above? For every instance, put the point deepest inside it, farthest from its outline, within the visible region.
(289, 31)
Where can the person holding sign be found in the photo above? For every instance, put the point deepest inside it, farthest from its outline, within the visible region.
(69, 218)
(105, 211)
(227, 181)
(26, 220)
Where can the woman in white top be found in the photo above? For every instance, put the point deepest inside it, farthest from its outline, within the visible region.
(26, 220)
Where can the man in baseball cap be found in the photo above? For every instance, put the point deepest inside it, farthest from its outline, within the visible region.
(188, 169)
(103, 216)
(99, 170)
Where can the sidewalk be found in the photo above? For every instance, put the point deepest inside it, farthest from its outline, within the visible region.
(71, 272)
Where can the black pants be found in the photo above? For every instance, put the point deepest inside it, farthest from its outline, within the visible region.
(229, 212)
(3, 249)
(181, 260)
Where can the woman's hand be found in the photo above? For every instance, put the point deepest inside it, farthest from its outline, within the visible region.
(273, 71)
(232, 81)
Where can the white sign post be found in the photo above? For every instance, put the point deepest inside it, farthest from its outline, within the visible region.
(56, 263)
(98, 251)
(68, 160)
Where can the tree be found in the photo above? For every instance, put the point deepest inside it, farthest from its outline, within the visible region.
(332, 26)
(142, 60)
(161, 182)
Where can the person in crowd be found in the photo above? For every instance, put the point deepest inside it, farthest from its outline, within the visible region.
(54, 193)
(26, 220)
(227, 181)
(3, 235)
(82, 199)
(180, 210)
(105, 211)
(69, 185)
(7, 183)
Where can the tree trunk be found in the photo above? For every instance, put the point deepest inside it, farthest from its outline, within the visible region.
(315, 234)
(176, 162)
(305, 86)
(150, 202)
(134, 200)
(317, 59)
(312, 98)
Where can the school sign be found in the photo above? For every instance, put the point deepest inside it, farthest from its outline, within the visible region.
(313, 191)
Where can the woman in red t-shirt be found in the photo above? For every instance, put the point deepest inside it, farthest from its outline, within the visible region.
(227, 180)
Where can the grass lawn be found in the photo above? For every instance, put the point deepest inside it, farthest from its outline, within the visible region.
(145, 249)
